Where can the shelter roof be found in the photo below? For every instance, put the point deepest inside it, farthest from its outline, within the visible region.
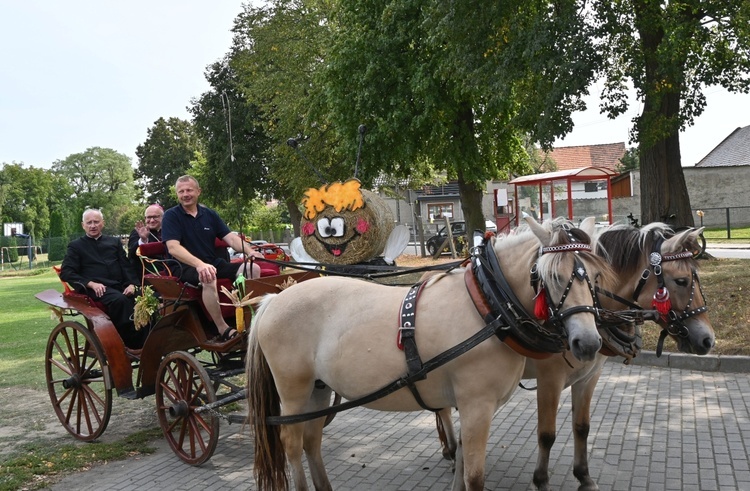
(734, 150)
(606, 155)
(581, 173)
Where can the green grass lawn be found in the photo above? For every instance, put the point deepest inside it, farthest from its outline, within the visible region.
(25, 325)
(721, 233)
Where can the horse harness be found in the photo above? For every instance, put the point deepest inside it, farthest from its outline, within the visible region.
(671, 322)
(500, 309)
(503, 313)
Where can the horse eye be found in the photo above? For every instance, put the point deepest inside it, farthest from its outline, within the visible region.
(337, 226)
(324, 228)
(683, 282)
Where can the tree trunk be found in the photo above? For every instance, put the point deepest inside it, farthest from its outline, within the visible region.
(471, 204)
(295, 215)
(469, 191)
(664, 196)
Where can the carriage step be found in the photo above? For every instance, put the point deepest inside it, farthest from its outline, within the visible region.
(236, 418)
(129, 394)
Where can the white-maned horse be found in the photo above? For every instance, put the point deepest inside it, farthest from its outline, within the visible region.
(339, 334)
(629, 251)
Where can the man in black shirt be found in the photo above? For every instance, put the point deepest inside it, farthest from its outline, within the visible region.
(190, 230)
(96, 265)
(148, 230)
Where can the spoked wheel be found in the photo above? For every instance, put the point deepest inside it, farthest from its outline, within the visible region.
(78, 380)
(183, 386)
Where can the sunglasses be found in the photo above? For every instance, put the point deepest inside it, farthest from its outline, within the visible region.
(153, 217)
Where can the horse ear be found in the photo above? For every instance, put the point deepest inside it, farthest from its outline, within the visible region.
(588, 225)
(681, 241)
(544, 235)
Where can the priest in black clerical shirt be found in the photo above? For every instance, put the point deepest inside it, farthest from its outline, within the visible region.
(96, 265)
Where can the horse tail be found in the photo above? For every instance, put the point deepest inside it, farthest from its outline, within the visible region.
(263, 401)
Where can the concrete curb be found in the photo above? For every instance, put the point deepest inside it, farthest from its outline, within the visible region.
(683, 361)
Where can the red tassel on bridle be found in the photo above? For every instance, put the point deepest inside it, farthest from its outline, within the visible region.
(541, 308)
(661, 302)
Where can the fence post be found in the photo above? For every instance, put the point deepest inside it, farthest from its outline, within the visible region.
(729, 227)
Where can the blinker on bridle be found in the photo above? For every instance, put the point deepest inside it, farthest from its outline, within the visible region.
(544, 307)
(671, 322)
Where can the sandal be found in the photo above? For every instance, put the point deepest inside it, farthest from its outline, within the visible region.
(229, 334)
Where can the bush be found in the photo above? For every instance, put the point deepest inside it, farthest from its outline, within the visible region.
(10, 254)
(57, 248)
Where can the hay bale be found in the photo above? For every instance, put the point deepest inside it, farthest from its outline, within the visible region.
(340, 235)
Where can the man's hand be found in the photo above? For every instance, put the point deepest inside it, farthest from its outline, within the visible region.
(253, 253)
(129, 291)
(142, 230)
(206, 273)
(97, 288)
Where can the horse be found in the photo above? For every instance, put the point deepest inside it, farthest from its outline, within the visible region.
(645, 260)
(340, 334)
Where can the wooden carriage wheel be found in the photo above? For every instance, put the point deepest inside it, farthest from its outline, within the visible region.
(78, 380)
(183, 385)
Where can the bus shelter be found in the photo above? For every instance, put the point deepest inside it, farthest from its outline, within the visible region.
(573, 193)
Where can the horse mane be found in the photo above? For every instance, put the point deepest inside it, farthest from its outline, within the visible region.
(625, 247)
(549, 264)
(564, 232)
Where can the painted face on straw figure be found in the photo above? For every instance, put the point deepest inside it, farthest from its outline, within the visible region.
(343, 224)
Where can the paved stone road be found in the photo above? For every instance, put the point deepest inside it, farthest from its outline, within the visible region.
(652, 429)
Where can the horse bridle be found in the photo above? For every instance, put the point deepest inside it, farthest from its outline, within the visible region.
(672, 322)
(555, 313)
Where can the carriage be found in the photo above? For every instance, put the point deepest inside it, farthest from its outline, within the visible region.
(182, 363)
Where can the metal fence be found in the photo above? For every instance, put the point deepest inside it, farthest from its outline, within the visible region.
(732, 222)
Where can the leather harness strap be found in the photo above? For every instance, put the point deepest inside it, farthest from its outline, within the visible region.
(408, 343)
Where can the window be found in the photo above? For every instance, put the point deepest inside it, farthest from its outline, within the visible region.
(440, 210)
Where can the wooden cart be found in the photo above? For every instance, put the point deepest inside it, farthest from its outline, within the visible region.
(181, 364)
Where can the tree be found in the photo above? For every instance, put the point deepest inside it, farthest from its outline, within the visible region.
(278, 50)
(100, 178)
(669, 51)
(25, 197)
(165, 155)
(629, 161)
(58, 237)
(233, 167)
(401, 68)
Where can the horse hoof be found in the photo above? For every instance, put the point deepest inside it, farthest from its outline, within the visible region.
(589, 485)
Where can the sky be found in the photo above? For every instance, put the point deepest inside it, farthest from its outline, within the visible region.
(86, 73)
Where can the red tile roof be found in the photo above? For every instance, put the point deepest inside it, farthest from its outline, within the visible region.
(605, 155)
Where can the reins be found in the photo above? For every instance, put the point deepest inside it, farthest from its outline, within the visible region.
(482, 335)
(383, 270)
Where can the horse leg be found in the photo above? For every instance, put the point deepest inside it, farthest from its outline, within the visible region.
(447, 434)
(313, 440)
(292, 438)
(549, 388)
(475, 431)
(458, 472)
(582, 393)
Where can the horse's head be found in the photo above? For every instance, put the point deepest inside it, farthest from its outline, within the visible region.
(564, 272)
(657, 270)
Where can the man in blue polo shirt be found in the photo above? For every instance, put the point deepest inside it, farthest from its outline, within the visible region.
(189, 230)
